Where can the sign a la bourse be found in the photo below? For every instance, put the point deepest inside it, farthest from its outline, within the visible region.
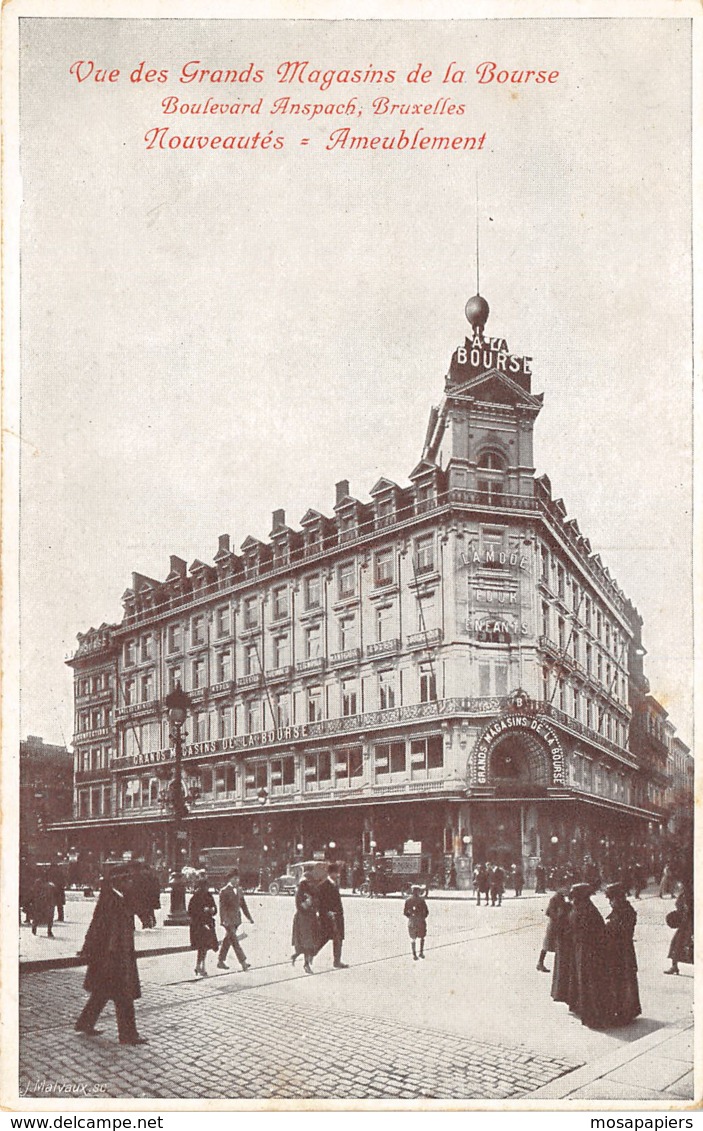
(480, 354)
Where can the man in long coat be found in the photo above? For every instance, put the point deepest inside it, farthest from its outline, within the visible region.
(232, 906)
(331, 912)
(622, 962)
(112, 973)
(588, 997)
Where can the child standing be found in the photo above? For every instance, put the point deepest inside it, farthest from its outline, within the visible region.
(416, 912)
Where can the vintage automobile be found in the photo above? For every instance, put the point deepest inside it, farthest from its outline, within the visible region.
(287, 883)
(399, 873)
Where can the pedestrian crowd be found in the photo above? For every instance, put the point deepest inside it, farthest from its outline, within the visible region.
(594, 965)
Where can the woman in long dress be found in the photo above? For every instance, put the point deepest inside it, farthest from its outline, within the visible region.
(624, 997)
(588, 984)
(557, 910)
(202, 910)
(681, 948)
(305, 935)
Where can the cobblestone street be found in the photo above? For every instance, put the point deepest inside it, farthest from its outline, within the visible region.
(473, 1021)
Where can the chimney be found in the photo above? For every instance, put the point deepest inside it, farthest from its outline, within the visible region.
(341, 490)
(223, 544)
(279, 519)
(178, 565)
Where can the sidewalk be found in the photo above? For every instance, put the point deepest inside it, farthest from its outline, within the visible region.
(656, 1067)
(37, 952)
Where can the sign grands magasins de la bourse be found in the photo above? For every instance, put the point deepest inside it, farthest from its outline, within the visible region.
(533, 725)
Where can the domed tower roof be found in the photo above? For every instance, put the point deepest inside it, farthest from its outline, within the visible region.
(477, 311)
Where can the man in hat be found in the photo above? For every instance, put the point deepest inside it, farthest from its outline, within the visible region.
(588, 983)
(416, 912)
(232, 906)
(331, 913)
(108, 948)
(622, 962)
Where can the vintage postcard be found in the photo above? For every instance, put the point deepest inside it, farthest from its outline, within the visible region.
(349, 556)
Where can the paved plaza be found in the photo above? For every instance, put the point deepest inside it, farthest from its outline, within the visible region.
(473, 1021)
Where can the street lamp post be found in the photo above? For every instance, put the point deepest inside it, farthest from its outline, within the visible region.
(177, 704)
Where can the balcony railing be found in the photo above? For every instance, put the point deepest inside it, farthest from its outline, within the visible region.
(312, 664)
(225, 687)
(349, 656)
(90, 735)
(253, 680)
(275, 674)
(428, 639)
(383, 647)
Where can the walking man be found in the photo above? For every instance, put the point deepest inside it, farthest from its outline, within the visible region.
(331, 912)
(112, 973)
(232, 905)
(497, 881)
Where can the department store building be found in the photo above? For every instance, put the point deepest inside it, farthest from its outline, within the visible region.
(445, 663)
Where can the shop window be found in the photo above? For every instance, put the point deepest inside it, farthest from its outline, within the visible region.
(255, 778)
(348, 765)
(426, 754)
(282, 774)
(318, 770)
(389, 758)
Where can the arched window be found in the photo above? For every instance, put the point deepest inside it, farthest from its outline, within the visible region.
(491, 476)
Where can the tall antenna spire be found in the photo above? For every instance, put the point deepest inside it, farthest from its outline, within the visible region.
(478, 287)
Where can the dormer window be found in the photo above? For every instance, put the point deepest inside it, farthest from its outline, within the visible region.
(424, 497)
(490, 477)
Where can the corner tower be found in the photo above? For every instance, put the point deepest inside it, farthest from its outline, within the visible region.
(481, 434)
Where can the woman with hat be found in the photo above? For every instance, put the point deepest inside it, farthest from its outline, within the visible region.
(621, 961)
(202, 910)
(588, 985)
(416, 912)
(306, 928)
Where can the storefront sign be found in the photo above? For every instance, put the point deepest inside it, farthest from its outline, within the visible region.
(534, 725)
(494, 596)
(480, 354)
(492, 630)
(216, 746)
(492, 557)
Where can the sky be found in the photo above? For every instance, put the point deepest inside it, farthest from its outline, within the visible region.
(209, 335)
